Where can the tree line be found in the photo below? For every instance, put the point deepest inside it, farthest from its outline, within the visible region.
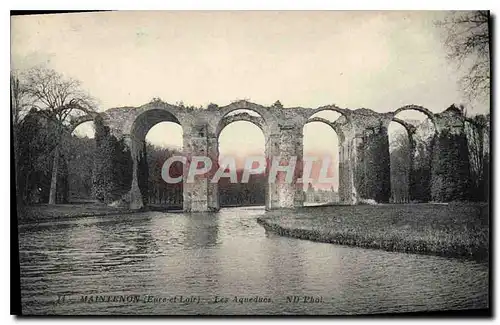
(447, 167)
(43, 103)
(157, 192)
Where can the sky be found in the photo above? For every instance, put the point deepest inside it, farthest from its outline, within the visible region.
(377, 60)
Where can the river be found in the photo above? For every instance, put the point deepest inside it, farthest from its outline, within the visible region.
(157, 263)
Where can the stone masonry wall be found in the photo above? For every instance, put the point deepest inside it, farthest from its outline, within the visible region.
(364, 166)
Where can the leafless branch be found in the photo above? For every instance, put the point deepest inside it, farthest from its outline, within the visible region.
(58, 96)
(468, 43)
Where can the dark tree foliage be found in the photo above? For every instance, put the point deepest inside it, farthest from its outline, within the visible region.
(212, 106)
(29, 150)
(411, 176)
(238, 194)
(62, 190)
(35, 156)
(55, 97)
(382, 181)
(484, 185)
(143, 174)
(122, 168)
(477, 129)
(160, 193)
(278, 104)
(99, 168)
(451, 178)
(103, 167)
(112, 165)
(374, 178)
(80, 160)
(420, 180)
(359, 173)
(400, 169)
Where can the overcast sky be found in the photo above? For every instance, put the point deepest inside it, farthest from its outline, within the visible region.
(377, 60)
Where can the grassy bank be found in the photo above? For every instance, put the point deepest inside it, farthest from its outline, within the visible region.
(454, 230)
(44, 212)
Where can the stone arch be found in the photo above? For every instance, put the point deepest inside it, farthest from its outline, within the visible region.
(345, 113)
(76, 184)
(395, 185)
(242, 117)
(137, 124)
(75, 122)
(414, 181)
(139, 120)
(147, 119)
(344, 129)
(258, 143)
(268, 121)
(243, 104)
(334, 125)
(410, 128)
(420, 109)
(343, 125)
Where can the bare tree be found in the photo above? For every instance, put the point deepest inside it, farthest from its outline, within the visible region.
(57, 99)
(18, 106)
(18, 98)
(467, 40)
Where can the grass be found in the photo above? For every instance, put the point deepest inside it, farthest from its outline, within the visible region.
(44, 212)
(453, 230)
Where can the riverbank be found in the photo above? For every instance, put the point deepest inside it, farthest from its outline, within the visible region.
(57, 212)
(450, 230)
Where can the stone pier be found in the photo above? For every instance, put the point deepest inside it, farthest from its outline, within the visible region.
(287, 148)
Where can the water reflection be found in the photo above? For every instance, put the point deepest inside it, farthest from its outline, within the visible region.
(201, 230)
(228, 254)
(108, 246)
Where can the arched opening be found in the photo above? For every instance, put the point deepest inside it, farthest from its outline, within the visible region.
(411, 139)
(79, 164)
(399, 150)
(332, 114)
(243, 106)
(243, 111)
(239, 142)
(321, 148)
(329, 115)
(156, 135)
(163, 140)
(241, 115)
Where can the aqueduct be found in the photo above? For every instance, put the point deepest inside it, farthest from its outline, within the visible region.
(363, 145)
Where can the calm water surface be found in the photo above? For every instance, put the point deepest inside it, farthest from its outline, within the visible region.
(155, 255)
